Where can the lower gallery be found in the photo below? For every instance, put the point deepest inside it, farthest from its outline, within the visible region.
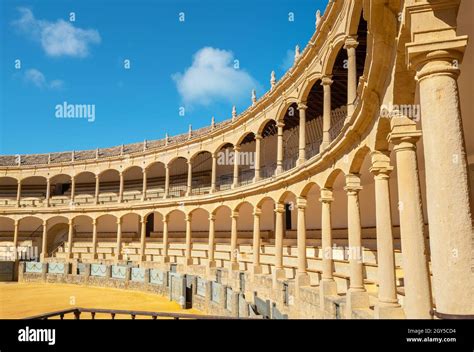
(348, 193)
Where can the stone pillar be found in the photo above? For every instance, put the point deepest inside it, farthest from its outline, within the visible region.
(256, 267)
(328, 285)
(279, 168)
(120, 195)
(418, 303)
(165, 240)
(447, 176)
(388, 306)
(302, 277)
(236, 166)
(258, 151)
(188, 254)
(212, 236)
(18, 193)
(190, 178)
(351, 46)
(234, 264)
(97, 188)
(279, 272)
(302, 133)
(73, 189)
(70, 237)
(118, 248)
(16, 227)
(357, 296)
(144, 188)
(44, 242)
(214, 173)
(326, 83)
(143, 239)
(94, 239)
(167, 181)
(48, 191)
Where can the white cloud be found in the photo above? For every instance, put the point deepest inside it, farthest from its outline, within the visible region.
(37, 78)
(58, 38)
(211, 77)
(288, 61)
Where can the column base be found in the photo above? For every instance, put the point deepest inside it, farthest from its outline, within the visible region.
(211, 269)
(323, 146)
(143, 258)
(234, 266)
(188, 262)
(43, 257)
(279, 170)
(301, 280)
(278, 274)
(356, 300)
(300, 162)
(95, 256)
(327, 288)
(166, 260)
(389, 312)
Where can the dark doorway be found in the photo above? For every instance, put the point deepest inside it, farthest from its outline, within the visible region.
(288, 216)
(150, 224)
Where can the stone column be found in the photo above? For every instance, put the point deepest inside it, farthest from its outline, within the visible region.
(144, 188)
(236, 166)
(143, 222)
(97, 188)
(302, 277)
(234, 264)
(212, 239)
(279, 168)
(447, 176)
(214, 173)
(328, 285)
(190, 178)
(356, 297)
(256, 268)
(258, 151)
(48, 191)
(388, 306)
(44, 242)
(16, 227)
(189, 258)
(118, 248)
(167, 181)
(70, 237)
(302, 133)
(18, 193)
(326, 83)
(351, 46)
(73, 189)
(165, 240)
(418, 303)
(279, 272)
(120, 195)
(94, 239)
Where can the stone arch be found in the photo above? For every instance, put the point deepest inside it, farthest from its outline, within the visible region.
(358, 159)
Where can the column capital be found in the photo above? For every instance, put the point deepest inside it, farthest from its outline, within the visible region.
(301, 203)
(236, 148)
(381, 163)
(165, 219)
(16, 222)
(326, 81)
(97, 176)
(94, 221)
(280, 208)
(351, 42)
(326, 196)
(188, 217)
(119, 221)
(48, 180)
(70, 222)
(302, 106)
(234, 214)
(353, 184)
(45, 222)
(280, 124)
(212, 217)
(258, 136)
(403, 130)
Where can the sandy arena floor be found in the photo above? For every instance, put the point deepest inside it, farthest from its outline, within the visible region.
(20, 300)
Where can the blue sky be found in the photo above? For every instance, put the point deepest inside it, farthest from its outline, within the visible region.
(173, 64)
